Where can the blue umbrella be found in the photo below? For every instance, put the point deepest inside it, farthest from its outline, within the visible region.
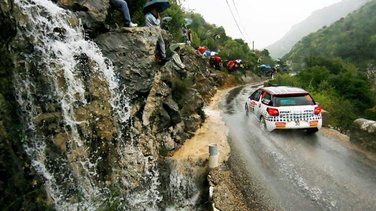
(207, 53)
(161, 5)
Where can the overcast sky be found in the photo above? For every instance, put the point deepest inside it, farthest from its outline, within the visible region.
(261, 21)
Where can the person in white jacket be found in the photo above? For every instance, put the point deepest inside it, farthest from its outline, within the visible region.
(152, 18)
(176, 62)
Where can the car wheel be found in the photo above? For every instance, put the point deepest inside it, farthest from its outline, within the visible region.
(312, 130)
(263, 124)
(246, 109)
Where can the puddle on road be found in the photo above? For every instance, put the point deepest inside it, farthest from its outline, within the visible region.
(212, 131)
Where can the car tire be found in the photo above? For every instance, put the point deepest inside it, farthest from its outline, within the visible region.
(263, 124)
(312, 130)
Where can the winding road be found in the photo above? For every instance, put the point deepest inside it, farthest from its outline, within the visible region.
(291, 170)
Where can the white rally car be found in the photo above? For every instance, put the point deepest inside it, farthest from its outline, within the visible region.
(283, 107)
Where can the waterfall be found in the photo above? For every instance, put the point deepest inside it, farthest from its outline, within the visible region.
(76, 115)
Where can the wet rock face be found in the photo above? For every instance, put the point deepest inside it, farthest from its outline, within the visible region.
(363, 133)
(132, 53)
(162, 102)
(7, 32)
(165, 108)
(17, 177)
(7, 22)
(92, 13)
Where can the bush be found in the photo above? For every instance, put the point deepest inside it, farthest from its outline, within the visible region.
(285, 79)
(341, 110)
(180, 87)
(370, 113)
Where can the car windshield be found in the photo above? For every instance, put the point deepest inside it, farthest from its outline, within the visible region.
(292, 100)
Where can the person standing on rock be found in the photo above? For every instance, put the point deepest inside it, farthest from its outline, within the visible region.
(151, 10)
(122, 6)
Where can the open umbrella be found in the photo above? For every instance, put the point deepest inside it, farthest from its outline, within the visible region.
(173, 46)
(213, 53)
(187, 21)
(265, 66)
(207, 53)
(166, 19)
(161, 5)
(201, 49)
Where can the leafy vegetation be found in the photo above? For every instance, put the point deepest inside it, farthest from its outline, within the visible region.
(352, 38)
(180, 87)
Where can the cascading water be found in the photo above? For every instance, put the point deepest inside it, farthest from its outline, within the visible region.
(76, 117)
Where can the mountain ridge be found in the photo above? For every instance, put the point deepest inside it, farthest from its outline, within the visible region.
(351, 38)
(313, 23)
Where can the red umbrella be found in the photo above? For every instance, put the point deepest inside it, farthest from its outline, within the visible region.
(201, 49)
(217, 58)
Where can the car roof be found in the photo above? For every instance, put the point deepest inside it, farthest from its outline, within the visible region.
(284, 90)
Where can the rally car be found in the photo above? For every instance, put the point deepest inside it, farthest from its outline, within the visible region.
(283, 107)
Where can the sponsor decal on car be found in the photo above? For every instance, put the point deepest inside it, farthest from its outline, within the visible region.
(313, 123)
(280, 124)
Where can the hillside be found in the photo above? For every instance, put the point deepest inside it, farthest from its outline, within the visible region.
(337, 64)
(352, 38)
(314, 22)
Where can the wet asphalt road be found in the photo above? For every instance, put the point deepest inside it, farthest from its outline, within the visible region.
(290, 170)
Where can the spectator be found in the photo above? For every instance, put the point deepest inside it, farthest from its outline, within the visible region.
(230, 65)
(122, 6)
(177, 64)
(187, 34)
(152, 18)
(215, 62)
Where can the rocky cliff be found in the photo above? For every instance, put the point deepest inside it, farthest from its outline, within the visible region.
(86, 121)
(20, 185)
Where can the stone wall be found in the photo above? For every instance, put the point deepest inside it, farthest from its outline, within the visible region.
(363, 133)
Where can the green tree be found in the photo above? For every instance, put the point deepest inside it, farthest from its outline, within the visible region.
(177, 15)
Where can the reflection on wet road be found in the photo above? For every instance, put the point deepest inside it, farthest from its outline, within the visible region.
(291, 170)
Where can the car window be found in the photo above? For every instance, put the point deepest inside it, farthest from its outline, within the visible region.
(291, 100)
(267, 99)
(252, 97)
(256, 95)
